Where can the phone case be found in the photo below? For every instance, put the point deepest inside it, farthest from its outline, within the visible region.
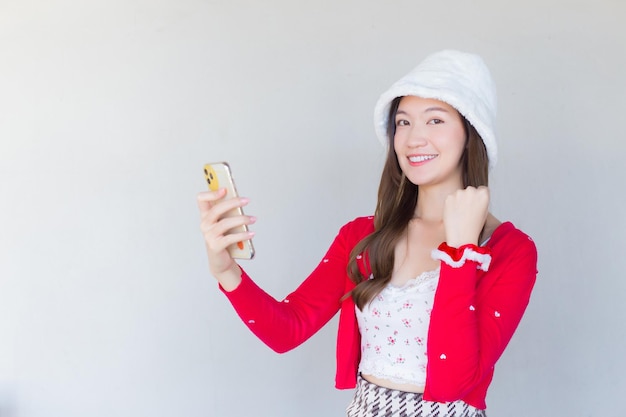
(218, 175)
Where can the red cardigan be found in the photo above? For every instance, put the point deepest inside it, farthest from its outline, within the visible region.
(474, 315)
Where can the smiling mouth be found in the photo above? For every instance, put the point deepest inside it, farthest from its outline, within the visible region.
(421, 158)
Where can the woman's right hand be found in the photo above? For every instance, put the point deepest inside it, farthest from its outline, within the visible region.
(464, 215)
(215, 229)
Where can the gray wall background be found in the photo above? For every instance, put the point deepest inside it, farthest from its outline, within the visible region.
(108, 110)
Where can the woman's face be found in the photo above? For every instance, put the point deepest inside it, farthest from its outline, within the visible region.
(429, 141)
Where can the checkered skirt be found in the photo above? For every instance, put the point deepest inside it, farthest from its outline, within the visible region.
(371, 400)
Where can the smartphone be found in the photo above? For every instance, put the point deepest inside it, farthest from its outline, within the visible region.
(218, 175)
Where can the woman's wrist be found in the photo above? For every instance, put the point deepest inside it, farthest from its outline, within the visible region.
(229, 279)
(458, 239)
(457, 256)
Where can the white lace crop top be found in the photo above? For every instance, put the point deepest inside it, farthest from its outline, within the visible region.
(394, 327)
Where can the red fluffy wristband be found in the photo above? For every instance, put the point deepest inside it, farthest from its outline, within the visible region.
(456, 257)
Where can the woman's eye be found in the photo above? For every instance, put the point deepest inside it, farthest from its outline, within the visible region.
(435, 121)
(402, 122)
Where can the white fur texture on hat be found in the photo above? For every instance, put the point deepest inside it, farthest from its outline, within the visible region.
(458, 78)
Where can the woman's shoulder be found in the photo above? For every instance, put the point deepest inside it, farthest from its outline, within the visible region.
(358, 228)
(361, 222)
(508, 237)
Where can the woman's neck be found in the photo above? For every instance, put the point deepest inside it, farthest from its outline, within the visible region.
(430, 202)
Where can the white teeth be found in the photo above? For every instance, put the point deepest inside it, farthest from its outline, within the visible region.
(421, 158)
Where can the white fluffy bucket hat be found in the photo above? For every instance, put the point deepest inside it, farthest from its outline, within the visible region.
(458, 78)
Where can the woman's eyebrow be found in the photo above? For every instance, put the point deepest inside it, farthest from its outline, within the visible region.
(429, 109)
(436, 109)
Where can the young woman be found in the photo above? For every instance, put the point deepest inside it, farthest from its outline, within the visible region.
(431, 288)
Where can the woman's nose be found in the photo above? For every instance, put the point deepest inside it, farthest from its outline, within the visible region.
(416, 137)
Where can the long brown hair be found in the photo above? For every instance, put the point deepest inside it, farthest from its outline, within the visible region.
(397, 197)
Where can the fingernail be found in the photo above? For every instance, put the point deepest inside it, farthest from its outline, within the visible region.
(252, 219)
(244, 200)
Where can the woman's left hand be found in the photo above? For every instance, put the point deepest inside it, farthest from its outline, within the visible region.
(464, 215)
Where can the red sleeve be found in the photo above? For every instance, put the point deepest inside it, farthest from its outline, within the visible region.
(474, 316)
(283, 325)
